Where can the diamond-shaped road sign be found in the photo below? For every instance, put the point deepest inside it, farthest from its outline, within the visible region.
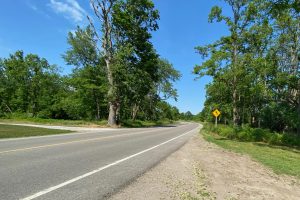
(216, 113)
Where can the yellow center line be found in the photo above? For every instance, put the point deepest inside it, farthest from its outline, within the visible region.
(74, 142)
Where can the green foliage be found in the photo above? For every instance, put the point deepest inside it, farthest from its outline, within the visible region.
(139, 123)
(30, 84)
(248, 134)
(135, 84)
(255, 69)
(138, 80)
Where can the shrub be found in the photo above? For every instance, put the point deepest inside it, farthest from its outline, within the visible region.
(248, 134)
(275, 139)
(259, 135)
(229, 133)
(245, 136)
(290, 140)
(44, 114)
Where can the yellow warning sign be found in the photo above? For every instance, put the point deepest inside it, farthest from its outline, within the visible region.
(216, 113)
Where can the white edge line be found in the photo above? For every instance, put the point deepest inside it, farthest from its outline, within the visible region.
(43, 192)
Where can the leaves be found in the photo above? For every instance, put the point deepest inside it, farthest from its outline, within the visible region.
(255, 69)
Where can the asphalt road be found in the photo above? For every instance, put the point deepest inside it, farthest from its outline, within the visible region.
(92, 165)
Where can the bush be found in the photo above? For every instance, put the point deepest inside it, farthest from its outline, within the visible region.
(245, 136)
(275, 139)
(228, 132)
(259, 135)
(290, 140)
(248, 134)
(44, 114)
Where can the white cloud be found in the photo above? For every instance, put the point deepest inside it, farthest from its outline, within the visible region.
(69, 8)
(33, 7)
(37, 9)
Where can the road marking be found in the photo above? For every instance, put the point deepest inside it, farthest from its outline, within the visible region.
(76, 141)
(43, 192)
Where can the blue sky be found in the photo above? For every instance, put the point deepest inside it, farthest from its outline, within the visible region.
(41, 27)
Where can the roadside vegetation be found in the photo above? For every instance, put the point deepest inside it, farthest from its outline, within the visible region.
(23, 119)
(260, 145)
(18, 118)
(247, 134)
(255, 68)
(140, 123)
(255, 82)
(10, 131)
(117, 73)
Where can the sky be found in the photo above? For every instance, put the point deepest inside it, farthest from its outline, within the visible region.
(41, 27)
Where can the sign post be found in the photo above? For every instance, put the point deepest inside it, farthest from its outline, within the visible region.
(216, 113)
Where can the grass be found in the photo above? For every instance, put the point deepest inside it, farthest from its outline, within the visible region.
(282, 160)
(140, 124)
(85, 123)
(11, 131)
(57, 122)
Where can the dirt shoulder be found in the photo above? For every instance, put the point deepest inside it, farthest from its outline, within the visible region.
(201, 170)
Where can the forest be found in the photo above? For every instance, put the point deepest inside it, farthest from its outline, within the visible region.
(255, 68)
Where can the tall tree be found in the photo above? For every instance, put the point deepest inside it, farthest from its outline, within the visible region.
(89, 76)
(287, 26)
(103, 9)
(229, 49)
(127, 49)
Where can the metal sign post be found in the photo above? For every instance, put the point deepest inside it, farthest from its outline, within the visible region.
(216, 113)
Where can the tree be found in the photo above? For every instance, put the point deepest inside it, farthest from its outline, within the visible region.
(264, 74)
(225, 55)
(103, 11)
(167, 76)
(127, 49)
(29, 84)
(89, 77)
(287, 50)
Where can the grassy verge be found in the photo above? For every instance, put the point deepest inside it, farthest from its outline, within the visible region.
(10, 131)
(140, 124)
(56, 122)
(85, 123)
(283, 160)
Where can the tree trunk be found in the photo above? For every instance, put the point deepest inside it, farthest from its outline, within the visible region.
(112, 117)
(113, 103)
(298, 109)
(107, 44)
(234, 108)
(135, 110)
(236, 13)
(8, 108)
(235, 116)
(98, 108)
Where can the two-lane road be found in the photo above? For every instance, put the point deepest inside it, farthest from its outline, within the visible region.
(92, 165)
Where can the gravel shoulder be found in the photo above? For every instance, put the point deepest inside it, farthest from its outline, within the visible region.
(201, 170)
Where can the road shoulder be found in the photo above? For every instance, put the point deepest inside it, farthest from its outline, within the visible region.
(202, 170)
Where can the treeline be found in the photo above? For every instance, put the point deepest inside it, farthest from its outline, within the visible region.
(118, 74)
(255, 68)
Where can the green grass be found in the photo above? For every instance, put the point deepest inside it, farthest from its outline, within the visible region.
(140, 124)
(282, 160)
(57, 122)
(86, 123)
(11, 131)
